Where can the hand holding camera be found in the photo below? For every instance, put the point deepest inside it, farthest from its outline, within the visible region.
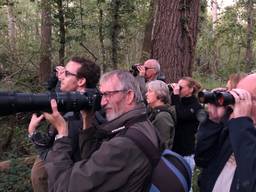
(56, 119)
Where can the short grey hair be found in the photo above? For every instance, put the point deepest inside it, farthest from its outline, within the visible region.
(157, 66)
(127, 82)
(161, 90)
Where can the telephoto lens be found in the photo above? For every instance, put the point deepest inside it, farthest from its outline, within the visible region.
(12, 102)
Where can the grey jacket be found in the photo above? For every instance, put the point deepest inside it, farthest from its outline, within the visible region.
(117, 165)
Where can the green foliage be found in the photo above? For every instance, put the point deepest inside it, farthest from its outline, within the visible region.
(16, 179)
(221, 50)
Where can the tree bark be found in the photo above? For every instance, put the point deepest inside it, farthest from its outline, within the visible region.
(46, 27)
(101, 37)
(147, 43)
(11, 30)
(115, 31)
(249, 36)
(174, 36)
(62, 32)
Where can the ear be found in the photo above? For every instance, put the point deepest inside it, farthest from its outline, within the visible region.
(81, 82)
(130, 97)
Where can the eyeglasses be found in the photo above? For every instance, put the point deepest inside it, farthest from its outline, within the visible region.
(147, 68)
(108, 94)
(67, 73)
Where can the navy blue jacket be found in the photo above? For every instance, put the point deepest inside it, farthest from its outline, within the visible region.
(215, 144)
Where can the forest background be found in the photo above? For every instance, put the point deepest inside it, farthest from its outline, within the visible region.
(198, 38)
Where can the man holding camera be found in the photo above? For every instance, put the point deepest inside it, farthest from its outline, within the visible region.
(117, 164)
(226, 143)
(81, 75)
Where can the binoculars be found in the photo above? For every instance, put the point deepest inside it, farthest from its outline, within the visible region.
(218, 98)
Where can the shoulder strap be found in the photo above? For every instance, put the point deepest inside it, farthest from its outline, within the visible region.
(145, 145)
(154, 155)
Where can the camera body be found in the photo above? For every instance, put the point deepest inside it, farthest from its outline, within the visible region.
(218, 98)
(12, 102)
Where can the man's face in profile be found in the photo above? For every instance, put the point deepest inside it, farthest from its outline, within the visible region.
(113, 98)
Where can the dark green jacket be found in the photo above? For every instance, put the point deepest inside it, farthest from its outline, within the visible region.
(164, 118)
(117, 165)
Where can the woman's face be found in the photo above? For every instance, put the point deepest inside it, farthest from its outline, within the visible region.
(185, 91)
(151, 97)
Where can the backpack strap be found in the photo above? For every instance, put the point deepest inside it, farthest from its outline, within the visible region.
(145, 145)
(154, 155)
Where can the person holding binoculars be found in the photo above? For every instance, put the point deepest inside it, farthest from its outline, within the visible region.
(187, 107)
(80, 75)
(226, 142)
(146, 72)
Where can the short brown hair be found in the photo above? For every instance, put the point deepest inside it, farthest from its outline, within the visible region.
(89, 70)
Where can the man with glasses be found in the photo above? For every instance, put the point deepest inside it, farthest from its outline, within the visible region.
(149, 71)
(116, 164)
(226, 143)
(81, 75)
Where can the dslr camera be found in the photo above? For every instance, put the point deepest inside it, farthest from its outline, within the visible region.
(12, 102)
(218, 98)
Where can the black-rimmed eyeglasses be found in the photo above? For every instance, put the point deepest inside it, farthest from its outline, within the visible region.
(67, 73)
(108, 94)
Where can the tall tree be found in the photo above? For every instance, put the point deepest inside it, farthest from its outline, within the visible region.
(115, 30)
(45, 50)
(11, 30)
(62, 31)
(175, 35)
(101, 35)
(214, 65)
(249, 36)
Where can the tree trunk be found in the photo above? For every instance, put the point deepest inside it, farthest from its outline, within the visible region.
(249, 35)
(11, 30)
(115, 31)
(214, 9)
(174, 36)
(147, 43)
(101, 37)
(213, 66)
(45, 57)
(62, 32)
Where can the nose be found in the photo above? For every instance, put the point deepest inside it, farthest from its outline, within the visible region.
(103, 101)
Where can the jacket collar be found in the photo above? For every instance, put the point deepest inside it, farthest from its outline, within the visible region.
(117, 124)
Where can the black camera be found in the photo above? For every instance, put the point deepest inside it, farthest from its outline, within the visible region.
(52, 81)
(12, 102)
(134, 69)
(218, 98)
